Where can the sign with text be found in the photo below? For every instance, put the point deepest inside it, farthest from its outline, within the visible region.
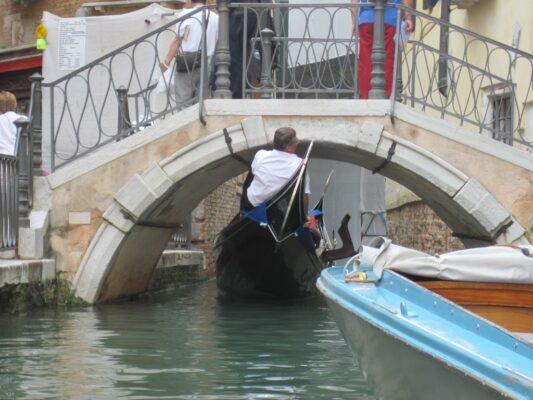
(72, 34)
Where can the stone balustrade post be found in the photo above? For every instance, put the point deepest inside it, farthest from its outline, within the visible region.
(222, 54)
(124, 123)
(36, 121)
(399, 79)
(24, 149)
(377, 83)
(397, 88)
(267, 87)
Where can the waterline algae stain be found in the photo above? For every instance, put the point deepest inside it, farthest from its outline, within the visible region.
(25, 297)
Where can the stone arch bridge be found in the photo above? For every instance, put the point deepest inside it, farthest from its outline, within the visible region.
(135, 191)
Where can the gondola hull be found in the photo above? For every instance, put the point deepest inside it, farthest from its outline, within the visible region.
(251, 264)
(277, 249)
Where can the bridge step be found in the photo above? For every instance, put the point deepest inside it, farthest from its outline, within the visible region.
(178, 267)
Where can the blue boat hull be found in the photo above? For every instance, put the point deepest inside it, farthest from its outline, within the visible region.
(427, 347)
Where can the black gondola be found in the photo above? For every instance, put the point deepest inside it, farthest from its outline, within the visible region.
(267, 252)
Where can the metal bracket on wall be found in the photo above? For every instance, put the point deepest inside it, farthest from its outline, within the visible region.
(237, 157)
(391, 152)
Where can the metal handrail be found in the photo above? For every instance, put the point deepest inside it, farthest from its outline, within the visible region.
(16, 186)
(309, 60)
(124, 47)
(24, 152)
(462, 30)
(450, 84)
(17, 170)
(104, 87)
(8, 202)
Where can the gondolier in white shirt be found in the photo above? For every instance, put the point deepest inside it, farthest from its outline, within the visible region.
(272, 169)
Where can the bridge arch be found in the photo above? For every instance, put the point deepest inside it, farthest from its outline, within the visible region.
(135, 228)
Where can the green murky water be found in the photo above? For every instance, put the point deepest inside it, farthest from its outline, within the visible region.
(187, 344)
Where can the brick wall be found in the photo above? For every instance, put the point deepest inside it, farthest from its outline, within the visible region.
(11, 26)
(212, 215)
(21, 21)
(416, 225)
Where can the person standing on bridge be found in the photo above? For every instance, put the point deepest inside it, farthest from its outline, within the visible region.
(186, 49)
(272, 169)
(240, 33)
(365, 20)
(8, 116)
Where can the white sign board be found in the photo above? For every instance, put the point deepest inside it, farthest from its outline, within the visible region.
(72, 34)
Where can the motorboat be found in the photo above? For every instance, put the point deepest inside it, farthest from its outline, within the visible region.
(401, 312)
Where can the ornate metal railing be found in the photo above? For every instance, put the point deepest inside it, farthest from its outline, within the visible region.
(299, 50)
(17, 170)
(16, 186)
(121, 93)
(35, 114)
(310, 51)
(295, 51)
(466, 78)
(8, 201)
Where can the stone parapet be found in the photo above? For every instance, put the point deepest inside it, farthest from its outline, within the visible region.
(16, 272)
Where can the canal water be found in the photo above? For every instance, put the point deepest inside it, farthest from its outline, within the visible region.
(185, 344)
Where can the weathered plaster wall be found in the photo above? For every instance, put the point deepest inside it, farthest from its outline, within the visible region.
(92, 193)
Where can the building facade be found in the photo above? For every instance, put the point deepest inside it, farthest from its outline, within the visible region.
(411, 222)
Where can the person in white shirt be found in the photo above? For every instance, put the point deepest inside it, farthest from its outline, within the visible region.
(272, 169)
(8, 116)
(189, 40)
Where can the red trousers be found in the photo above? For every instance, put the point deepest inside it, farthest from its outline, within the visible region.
(366, 38)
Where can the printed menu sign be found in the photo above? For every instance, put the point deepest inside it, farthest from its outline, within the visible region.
(72, 34)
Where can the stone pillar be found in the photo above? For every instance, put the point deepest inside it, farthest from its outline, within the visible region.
(222, 55)
(377, 83)
(36, 124)
(267, 88)
(25, 176)
(124, 123)
(443, 48)
(397, 88)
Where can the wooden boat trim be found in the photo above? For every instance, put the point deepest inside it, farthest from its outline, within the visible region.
(509, 305)
(482, 293)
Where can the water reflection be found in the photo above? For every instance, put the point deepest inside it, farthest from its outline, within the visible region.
(184, 345)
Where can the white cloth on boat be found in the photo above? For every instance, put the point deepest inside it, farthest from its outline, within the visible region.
(272, 169)
(8, 132)
(503, 264)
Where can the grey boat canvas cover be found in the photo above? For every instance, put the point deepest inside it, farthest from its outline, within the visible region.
(499, 263)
